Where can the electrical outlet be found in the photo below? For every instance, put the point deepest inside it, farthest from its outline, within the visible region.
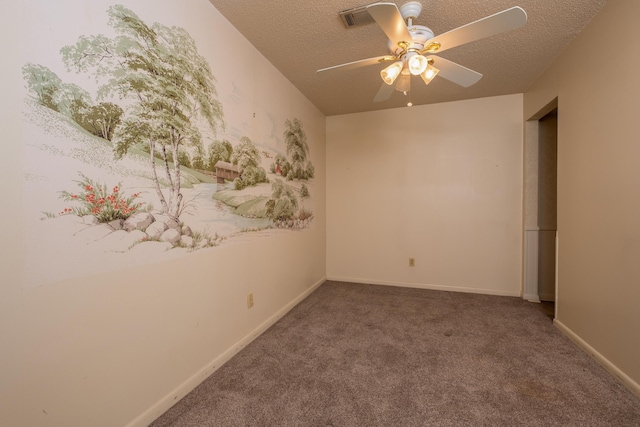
(250, 300)
(412, 262)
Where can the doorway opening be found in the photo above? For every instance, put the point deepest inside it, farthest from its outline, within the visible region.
(540, 207)
(547, 204)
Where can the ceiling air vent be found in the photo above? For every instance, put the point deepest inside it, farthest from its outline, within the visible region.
(355, 16)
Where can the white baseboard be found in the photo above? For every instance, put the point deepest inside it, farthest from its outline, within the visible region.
(627, 381)
(160, 407)
(498, 292)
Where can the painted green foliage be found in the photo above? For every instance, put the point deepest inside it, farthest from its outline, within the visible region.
(298, 150)
(101, 120)
(71, 100)
(298, 167)
(168, 86)
(282, 207)
(44, 84)
(218, 151)
(247, 158)
(283, 204)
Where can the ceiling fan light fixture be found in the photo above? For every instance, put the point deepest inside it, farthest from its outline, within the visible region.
(417, 64)
(391, 73)
(429, 73)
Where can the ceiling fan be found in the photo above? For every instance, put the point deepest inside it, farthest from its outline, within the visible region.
(412, 47)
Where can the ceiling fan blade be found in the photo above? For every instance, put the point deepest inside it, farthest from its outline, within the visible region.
(360, 63)
(500, 22)
(388, 17)
(455, 73)
(384, 93)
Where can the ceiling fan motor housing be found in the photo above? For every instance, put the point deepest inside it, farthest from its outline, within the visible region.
(420, 35)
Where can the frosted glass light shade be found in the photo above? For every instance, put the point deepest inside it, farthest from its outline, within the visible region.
(429, 74)
(417, 64)
(404, 83)
(392, 72)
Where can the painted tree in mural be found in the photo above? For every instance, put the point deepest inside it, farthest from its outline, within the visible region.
(283, 203)
(219, 151)
(168, 86)
(297, 150)
(247, 158)
(101, 120)
(43, 83)
(50, 91)
(71, 100)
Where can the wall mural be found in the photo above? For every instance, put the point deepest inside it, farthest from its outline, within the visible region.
(129, 158)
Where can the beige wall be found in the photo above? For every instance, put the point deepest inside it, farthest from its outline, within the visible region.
(11, 296)
(116, 348)
(438, 183)
(598, 89)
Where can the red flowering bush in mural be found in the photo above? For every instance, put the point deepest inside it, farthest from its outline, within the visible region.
(97, 200)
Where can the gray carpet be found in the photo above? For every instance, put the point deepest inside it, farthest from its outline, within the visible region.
(365, 355)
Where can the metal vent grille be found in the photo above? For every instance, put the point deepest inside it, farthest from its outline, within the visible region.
(355, 16)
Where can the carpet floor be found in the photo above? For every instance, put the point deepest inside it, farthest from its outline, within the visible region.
(366, 355)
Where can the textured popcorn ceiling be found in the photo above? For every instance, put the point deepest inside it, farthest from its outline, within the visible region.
(299, 37)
